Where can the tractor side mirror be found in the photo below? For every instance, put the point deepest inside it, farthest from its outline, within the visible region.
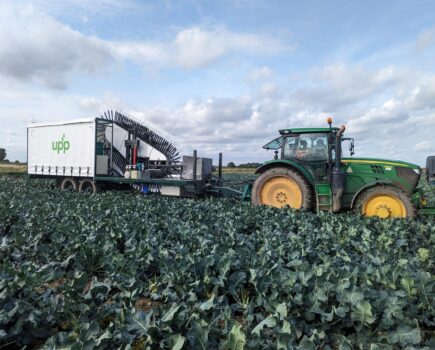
(351, 145)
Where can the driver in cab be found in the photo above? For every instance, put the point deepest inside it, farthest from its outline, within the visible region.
(297, 149)
(302, 150)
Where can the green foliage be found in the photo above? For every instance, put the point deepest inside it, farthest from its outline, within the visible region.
(428, 191)
(238, 180)
(123, 270)
(237, 339)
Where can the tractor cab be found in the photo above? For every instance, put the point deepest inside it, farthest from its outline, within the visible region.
(313, 148)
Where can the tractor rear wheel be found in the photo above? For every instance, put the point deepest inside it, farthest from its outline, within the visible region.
(278, 187)
(385, 202)
(68, 184)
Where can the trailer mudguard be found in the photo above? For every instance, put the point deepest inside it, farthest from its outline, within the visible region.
(289, 164)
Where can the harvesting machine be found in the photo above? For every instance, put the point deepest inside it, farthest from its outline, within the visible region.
(117, 152)
(308, 170)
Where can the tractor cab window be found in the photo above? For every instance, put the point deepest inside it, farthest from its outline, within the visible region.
(307, 147)
(274, 144)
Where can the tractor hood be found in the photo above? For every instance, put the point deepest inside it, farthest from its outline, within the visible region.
(378, 161)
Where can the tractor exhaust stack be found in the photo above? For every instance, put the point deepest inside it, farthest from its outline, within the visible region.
(338, 175)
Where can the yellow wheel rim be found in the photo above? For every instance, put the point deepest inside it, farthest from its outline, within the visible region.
(385, 206)
(280, 191)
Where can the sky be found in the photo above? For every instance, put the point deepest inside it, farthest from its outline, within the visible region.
(225, 76)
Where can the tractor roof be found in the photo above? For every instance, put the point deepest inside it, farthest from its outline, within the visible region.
(305, 130)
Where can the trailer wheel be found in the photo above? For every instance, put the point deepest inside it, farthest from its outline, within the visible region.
(279, 187)
(88, 186)
(385, 202)
(68, 184)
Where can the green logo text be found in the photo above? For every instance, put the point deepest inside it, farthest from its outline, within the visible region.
(60, 146)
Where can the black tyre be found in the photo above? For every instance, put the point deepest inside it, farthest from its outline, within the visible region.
(69, 184)
(385, 202)
(279, 187)
(88, 186)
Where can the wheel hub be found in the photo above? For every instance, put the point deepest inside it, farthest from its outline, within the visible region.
(383, 211)
(281, 197)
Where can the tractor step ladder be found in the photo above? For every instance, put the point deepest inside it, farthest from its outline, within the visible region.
(324, 197)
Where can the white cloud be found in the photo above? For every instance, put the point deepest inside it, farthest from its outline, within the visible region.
(35, 47)
(95, 106)
(425, 40)
(80, 8)
(423, 146)
(233, 125)
(409, 103)
(261, 73)
(196, 47)
(335, 85)
(268, 89)
(21, 105)
(394, 112)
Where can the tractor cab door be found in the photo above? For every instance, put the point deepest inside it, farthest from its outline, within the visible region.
(312, 150)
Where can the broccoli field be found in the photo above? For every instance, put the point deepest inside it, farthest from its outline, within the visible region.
(121, 270)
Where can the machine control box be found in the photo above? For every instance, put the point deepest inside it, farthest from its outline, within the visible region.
(102, 165)
(204, 168)
(136, 174)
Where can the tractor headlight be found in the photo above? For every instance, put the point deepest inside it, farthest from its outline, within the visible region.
(417, 171)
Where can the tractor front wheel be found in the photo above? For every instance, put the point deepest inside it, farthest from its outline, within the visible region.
(278, 187)
(385, 202)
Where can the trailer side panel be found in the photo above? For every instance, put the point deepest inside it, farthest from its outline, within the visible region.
(62, 149)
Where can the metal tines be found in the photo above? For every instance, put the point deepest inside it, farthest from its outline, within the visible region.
(148, 133)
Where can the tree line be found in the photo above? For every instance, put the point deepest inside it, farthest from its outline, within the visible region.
(243, 165)
(3, 155)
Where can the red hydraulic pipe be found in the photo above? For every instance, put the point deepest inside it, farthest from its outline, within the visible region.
(134, 155)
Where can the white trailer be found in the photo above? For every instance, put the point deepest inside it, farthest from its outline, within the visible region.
(114, 151)
(76, 152)
(62, 149)
(111, 151)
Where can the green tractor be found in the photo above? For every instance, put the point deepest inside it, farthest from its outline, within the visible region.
(309, 172)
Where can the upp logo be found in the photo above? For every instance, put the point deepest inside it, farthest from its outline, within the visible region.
(60, 146)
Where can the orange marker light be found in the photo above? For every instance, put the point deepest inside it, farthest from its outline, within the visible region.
(329, 120)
